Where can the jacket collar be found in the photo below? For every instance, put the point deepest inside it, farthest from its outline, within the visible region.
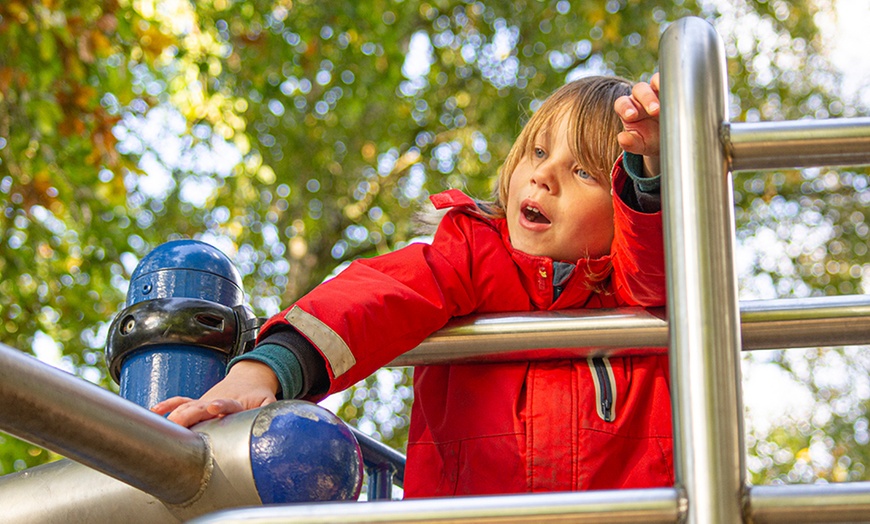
(537, 273)
(539, 276)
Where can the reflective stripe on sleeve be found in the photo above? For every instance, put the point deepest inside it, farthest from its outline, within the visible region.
(333, 348)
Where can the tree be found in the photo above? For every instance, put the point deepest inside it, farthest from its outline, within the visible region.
(298, 135)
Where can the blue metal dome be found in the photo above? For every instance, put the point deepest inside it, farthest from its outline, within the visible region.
(189, 269)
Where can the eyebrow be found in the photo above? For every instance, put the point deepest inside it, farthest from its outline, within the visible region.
(542, 135)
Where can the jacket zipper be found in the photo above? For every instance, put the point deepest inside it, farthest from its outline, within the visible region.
(605, 390)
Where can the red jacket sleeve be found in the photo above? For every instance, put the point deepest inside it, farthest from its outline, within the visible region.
(637, 251)
(378, 308)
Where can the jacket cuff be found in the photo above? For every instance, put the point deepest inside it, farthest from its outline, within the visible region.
(633, 165)
(639, 193)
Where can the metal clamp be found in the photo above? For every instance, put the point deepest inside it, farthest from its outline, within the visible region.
(190, 321)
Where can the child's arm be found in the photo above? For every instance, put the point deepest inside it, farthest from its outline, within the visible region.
(638, 256)
(248, 385)
(640, 119)
(398, 299)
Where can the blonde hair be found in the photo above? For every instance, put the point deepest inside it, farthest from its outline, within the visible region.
(588, 103)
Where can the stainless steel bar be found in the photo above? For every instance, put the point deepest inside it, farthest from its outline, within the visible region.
(623, 506)
(805, 322)
(798, 143)
(90, 425)
(66, 492)
(702, 291)
(765, 324)
(541, 334)
(848, 502)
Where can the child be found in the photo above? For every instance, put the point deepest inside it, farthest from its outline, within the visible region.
(563, 232)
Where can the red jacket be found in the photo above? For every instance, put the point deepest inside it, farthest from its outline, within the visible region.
(507, 427)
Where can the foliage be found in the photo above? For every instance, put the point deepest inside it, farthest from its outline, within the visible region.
(299, 135)
(828, 440)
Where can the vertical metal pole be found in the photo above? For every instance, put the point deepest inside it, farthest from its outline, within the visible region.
(380, 485)
(702, 293)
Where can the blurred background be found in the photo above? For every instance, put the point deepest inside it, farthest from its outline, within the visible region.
(297, 135)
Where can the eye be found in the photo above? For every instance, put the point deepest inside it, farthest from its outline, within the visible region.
(582, 173)
(539, 152)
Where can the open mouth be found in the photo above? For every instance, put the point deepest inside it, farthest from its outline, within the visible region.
(534, 215)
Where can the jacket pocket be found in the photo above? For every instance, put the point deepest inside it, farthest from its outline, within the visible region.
(605, 387)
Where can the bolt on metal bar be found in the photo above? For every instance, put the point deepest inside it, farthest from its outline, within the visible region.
(701, 281)
(797, 143)
(613, 506)
(95, 427)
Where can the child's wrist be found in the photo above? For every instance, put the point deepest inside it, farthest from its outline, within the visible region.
(255, 371)
(651, 166)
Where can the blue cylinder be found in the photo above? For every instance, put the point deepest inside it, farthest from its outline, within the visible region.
(184, 318)
(158, 372)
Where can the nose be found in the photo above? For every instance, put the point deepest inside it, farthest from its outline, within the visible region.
(545, 177)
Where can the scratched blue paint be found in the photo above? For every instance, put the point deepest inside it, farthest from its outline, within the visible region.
(300, 452)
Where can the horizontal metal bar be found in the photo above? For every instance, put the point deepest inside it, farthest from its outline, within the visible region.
(99, 429)
(622, 506)
(765, 324)
(66, 492)
(797, 143)
(847, 502)
(805, 322)
(79, 494)
(541, 335)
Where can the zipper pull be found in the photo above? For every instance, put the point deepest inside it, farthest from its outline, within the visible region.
(605, 409)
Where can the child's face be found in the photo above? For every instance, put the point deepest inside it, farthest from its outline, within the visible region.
(554, 207)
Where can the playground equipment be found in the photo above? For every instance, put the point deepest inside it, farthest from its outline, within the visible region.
(184, 319)
(703, 332)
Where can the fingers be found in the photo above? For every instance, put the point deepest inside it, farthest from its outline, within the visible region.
(628, 110)
(187, 411)
(639, 113)
(196, 411)
(642, 103)
(646, 98)
(654, 82)
(164, 407)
